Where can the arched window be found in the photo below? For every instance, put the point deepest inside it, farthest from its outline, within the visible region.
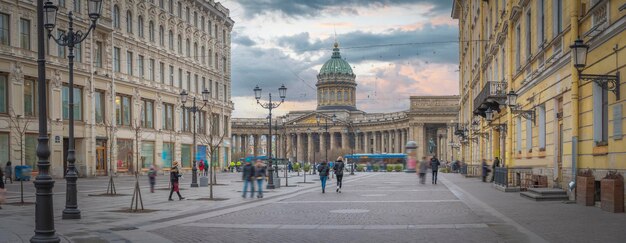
(180, 45)
(129, 22)
(116, 17)
(188, 47)
(202, 23)
(217, 64)
(332, 95)
(210, 57)
(170, 39)
(171, 6)
(195, 19)
(151, 31)
(195, 51)
(161, 36)
(187, 14)
(140, 26)
(202, 56)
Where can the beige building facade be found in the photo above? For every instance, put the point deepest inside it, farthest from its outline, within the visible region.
(299, 136)
(128, 76)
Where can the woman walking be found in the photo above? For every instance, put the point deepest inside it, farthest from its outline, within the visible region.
(8, 173)
(174, 175)
(259, 173)
(152, 177)
(323, 170)
(338, 170)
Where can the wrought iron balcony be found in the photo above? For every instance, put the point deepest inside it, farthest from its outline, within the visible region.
(491, 96)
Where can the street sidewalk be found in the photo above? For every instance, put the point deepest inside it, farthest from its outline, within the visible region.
(553, 221)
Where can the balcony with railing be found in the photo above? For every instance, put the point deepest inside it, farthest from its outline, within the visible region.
(491, 96)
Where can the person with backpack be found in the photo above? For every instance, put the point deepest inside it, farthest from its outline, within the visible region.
(338, 170)
(259, 174)
(174, 175)
(434, 166)
(247, 176)
(152, 178)
(323, 170)
(200, 168)
(8, 173)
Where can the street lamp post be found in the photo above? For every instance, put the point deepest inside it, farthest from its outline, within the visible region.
(193, 109)
(333, 119)
(44, 209)
(70, 39)
(354, 135)
(269, 106)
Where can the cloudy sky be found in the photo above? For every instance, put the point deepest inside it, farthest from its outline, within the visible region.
(397, 48)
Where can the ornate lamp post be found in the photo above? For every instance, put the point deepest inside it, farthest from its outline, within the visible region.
(70, 39)
(607, 82)
(355, 132)
(334, 120)
(193, 109)
(269, 106)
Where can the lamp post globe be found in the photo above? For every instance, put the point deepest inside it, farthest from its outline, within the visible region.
(50, 15)
(580, 54)
(95, 9)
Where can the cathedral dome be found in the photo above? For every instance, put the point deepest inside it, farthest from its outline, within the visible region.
(336, 65)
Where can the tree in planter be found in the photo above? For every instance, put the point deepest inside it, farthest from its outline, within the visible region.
(19, 125)
(136, 199)
(110, 131)
(296, 167)
(376, 167)
(389, 168)
(307, 167)
(360, 168)
(213, 140)
(398, 168)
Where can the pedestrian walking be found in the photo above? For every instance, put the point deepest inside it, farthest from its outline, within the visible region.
(238, 166)
(2, 190)
(496, 164)
(434, 166)
(8, 172)
(423, 167)
(331, 165)
(323, 170)
(201, 167)
(152, 177)
(338, 170)
(247, 177)
(485, 170)
(174, 175)
(206, 168)
(260, 174)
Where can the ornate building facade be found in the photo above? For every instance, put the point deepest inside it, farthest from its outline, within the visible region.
(563, 120)
(308, 136)
(128, 76)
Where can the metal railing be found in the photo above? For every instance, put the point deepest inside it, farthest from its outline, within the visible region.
(501, 176)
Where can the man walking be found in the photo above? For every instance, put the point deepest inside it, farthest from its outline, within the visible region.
(434, 166)
(248, 177)
(323, 170)
(423, 167)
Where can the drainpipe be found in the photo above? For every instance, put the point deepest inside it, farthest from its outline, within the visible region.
(509, 162)
(575, 93)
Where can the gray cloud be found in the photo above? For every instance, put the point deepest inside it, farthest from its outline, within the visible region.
(242, 40)
(308, 8)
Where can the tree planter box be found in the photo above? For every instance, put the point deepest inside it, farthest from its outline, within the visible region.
(585, 190)
(612, 195)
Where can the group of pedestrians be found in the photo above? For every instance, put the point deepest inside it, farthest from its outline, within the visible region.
(424, 164)
(250, 174)
(324, 170)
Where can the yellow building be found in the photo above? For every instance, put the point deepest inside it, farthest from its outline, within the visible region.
(562, 121)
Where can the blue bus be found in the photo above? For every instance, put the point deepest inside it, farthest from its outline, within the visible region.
(380, 159)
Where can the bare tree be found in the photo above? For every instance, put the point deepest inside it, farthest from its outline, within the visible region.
(110, 131)
(212, 140)
(137, 200)
(19, 125)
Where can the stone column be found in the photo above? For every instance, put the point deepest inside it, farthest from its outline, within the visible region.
(375, 142)
(310, 147)
(333, 143)
(390, 141)
(323, 144)
(357, 143)
(366, 142)
(419, 138)
(345, 140)
(401, 140)
(255, 153)
(300, 151)
(289, 150)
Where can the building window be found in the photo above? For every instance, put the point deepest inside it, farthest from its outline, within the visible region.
(209, 30)
(140, 66)
(147, 114)
(541, 115)
(215, 124)
(5, 29)
(195, 51)
(196, 86)
(171, 75)
(202, 23)
(162, 4)
(518, 47)
(600, 115)
(203, 84)
(30, 150)
(151, 31)
(168, 116)
(541, 19)
(162, 72)
(161, 36)
(124, 154)
(225, 93)
(78, 53)
(518, 134)
(168, 152)
(116, 17)
(202, 55)
(122, 110)
(195, 19)
(187, 15)
(170, 39)
(180, 10)
(226, 124)
(5, 150)
(185, 155)
(25, 34)
(98, 59)
(201, 122)
(99, 105)
(77, 6)
(528, 35)
(129, 63)
(78, 98)
(529, 134)
(129, 22)
(4, 93)
(30, 97)
(180, 78)
(188, 47)
(180, 45)
(116, 59)
(224, 64)
(171, 6)
(224, 36)
(147, 154)
(189, 81)
(140, 26)
(210, 57)
(185, 120)
(557, 17)
(151, 70)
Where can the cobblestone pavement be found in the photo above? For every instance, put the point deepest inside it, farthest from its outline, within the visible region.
(373, 207)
